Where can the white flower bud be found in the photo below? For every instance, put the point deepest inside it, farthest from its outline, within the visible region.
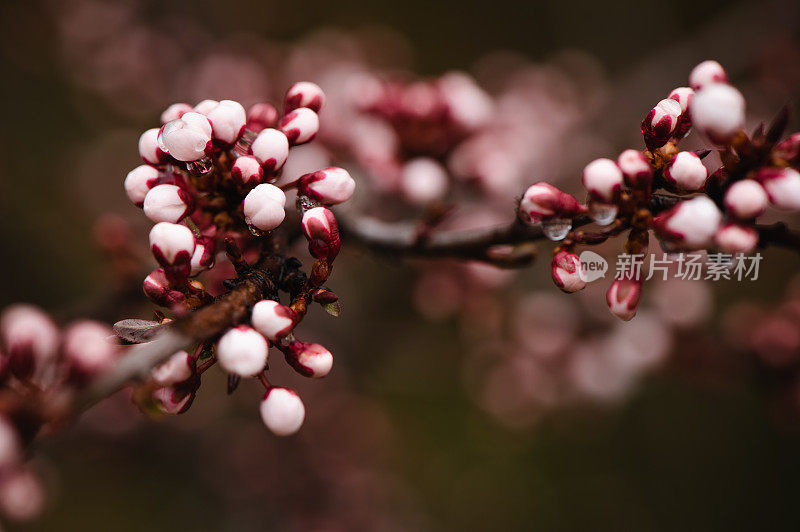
(272, 319)
(187, 138)
(782, 186)
(300, 126)
(736, 238)
(329, 186)
(173, 400)
(746, 199)
(623, 298)
(139, 181)
(310, 360)
(156, 288)
(178, 368)
(635, 168)
(173, 246)
(682, 95)
(707, 73)
(203, 256)
(304, 94)
(227, 119)
(282, 411)
(242, 351)
(174, 112)
(542, 201)
(566, 270)
(718, 112)
(167, 203)
(467, 103)
(603, 179)
(423, 180)
(247, 170)
(149, 149)
(261, 116)
(322, 231)
(264, 207)
(660, 123)
(271, 149)
(29, 337)
(89, 348)
(690, 224)
(686, 171)
(205, 106)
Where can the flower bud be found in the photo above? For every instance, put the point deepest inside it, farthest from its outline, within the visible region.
(178, 368)
(686, 171)
(309, 360)
(567, 272)
(187, 138)
(157, 289)
(264, 207)
(271, 149)
(623, 297)
(203, 256)
(139, 181)
(683, 95)
(603, 179)
(227, 119)
(167, 203)
(660, 123)
(89, 348)
(789, 149)
(174, 112)
(718, 112)
(242, 351)
(29, 337)
(282, 411)
(322, 231)
(22, 496)
(299, 126)
(329, 186)
(423, 180)
(173, 400)
(782, 186)
(542, 201)
(746, 200)
(736, 238)
(304, 94)
(272, 319)
(707, 73)
(10, 444)
(205, 107)
(690, 224)
(149, 150)
(468, 105)
(261, 116)
(247, 170)
(637, 171)
(173, 246)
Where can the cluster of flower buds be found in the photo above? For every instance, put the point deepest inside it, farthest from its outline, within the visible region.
(213, 181)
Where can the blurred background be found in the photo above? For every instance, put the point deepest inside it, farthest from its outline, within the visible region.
(463, 398)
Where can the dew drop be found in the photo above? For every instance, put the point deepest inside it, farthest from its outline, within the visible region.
(557, 228)
(603, 213)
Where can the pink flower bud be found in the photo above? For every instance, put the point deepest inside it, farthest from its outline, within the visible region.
(149, 149)
(300, 126)
(660, 123)
(603, 179)
(271, 148)
(542, 201)
(718, 112)
(746, 200)
(282, 411)
(29, 337)
(174, 112)
(10, 444)
(178, 368)
(203, 256)
(623, 298)
(468, 105)
(309, 360)
(139, 181)
(329, 186)
(272, 319)
(423, 180)
(247, 170)
(686, 171)
(167, 203)
(690, 224)
(205, 107)
(304, 94)
(264, 207)
(707, 73)
(567, 272)
(173, 400)
(782, 186)
(187, 138)
(789, 149)
(157, 289)
(173, 246)
(636, 169)
(736, 238)
(683, 95)
(227, 119)
(322, 232)
(242, 351)
(261, 116)
(22, 496)
(90, 348)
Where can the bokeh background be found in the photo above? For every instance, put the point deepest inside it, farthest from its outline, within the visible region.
(430, 421)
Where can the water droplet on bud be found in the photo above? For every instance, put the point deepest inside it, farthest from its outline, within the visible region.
(603, 213)
(556, 228)
(200, 166)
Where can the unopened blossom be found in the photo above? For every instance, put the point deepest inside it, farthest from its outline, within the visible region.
(603, 179)
(175, 111)
(782, 186)
(660, 123)
(205, 106)
(10, 444)
(683, 95)
(167, 203)
(271, 149)
(282, 411)
(89, 348)
(304, 94)
(789, 149)
(157, 288)
(718, 112)
(322, 231)
(543, 201)
(149, 150)
(242, 351)
(139, 181)
(468, 105)
(707, 73)
(690, 224)
(686, 171)
(178, 368)
(309, 360)
(329, 186)
(299, 126)
(29, 338)
(188, 138)
(173, 246)
(423, 180)
(623, 297)
(566, 270)
(203, 256)
(22, 496)
(228, 119)
(272, 319)
(736, 238)
(264, 207)
(746, 200)
(173, 400)
(635, 168)
(261, 116)
(247, 170)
